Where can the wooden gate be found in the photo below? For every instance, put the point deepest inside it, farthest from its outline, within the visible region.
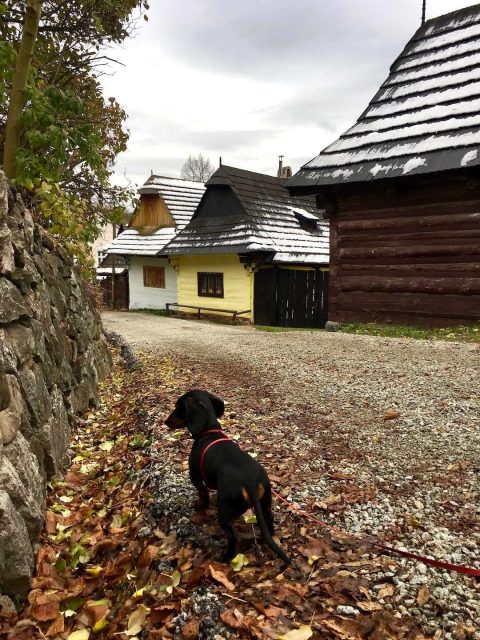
(122, 292)
(291, 297)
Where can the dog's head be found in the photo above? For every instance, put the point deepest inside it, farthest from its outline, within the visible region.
(196, 410)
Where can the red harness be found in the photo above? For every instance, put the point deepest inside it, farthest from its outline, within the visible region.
(210, 444)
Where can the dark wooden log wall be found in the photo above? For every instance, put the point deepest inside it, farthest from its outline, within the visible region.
(407, 253)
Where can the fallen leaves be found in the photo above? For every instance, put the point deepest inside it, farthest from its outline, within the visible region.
(303, 633)
(220, 577)
(103, 570)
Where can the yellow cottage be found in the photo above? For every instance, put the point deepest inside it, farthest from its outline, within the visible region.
(252, 250)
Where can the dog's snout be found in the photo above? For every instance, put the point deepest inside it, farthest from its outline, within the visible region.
(174, 422)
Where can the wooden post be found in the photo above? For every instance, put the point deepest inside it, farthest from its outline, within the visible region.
(114, 228)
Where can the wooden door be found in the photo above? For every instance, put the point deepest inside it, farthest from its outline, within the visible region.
(265, 297)
(291, 297)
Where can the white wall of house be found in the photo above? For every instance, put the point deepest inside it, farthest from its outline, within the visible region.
(142, 297)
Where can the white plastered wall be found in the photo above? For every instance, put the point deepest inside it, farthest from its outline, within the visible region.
(150, 297)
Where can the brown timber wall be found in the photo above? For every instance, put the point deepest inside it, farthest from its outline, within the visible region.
(408, 253)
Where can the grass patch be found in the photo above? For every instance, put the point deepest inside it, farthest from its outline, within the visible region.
(466, 334)
(153, 312)
(269, 329)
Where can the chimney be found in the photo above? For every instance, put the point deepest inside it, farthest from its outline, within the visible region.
(283, 172)
(280, 167)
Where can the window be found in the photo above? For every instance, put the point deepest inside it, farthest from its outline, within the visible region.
(210, 284)
(154, 277)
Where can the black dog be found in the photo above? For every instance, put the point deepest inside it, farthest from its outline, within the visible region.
(216, 462)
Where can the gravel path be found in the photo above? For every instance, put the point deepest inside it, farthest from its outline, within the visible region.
(418, 474)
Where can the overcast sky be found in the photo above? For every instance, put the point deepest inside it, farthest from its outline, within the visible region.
(251, 79)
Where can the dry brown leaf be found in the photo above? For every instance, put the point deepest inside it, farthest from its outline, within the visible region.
(56, 627)
(386, 591)
(230, 619)
(45, 611)
(190, 630)
(275, 612)
(423, 595)
(220, 577)
(391, 414)
(369, 606)
(51, 522)
(147, 555)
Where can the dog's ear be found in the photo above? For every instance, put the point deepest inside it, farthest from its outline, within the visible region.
(197, 415)
(218, 404)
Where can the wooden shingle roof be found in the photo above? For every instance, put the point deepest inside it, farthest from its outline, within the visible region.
(425, 117)
(181, 198)
(260, 217)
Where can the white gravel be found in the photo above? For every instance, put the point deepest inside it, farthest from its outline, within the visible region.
(423, 466)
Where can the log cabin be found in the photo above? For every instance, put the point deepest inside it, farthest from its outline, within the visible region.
(401, 187)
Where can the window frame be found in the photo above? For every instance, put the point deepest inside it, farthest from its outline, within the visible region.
(218, 284)
(150, 273)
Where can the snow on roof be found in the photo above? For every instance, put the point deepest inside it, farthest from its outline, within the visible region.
(260, 217)
(425, 116)
(133, 243)
(181, 198)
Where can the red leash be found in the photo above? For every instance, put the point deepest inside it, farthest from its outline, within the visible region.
(386, 548)
(469, 571)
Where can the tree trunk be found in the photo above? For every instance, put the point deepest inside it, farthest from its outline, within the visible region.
(33, 11)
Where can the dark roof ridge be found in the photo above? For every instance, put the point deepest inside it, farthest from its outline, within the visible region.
(155, 175)
(224, 169)
(473, 8)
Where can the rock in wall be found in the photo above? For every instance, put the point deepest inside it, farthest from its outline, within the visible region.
(52, 356)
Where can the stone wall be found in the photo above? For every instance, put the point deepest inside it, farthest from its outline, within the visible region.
(52, 356)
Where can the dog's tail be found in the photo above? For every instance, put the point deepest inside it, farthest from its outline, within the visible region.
(266, 535)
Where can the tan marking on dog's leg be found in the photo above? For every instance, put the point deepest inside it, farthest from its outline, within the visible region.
(245, 495)
(260, 491)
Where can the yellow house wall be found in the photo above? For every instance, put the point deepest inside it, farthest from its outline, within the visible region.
(237, 282)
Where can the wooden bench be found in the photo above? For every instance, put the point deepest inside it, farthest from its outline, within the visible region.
(235, 314)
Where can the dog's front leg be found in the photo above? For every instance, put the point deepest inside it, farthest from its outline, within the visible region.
(203, 495)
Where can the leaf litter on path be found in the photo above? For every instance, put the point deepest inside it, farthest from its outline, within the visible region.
(106, 568)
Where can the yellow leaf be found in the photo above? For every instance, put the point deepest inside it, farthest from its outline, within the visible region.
(250, 519)
(304, 633)
(107, 446)
(100, 625)
(139, 593)
(94, 571)
(66, 498)
(136, 621)
(176, 577)
(312, 559)
(104, 602)
(238, 562)
(81, 634)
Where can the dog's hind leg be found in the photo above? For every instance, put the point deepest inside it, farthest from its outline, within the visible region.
(229, 509)
(231, 549)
